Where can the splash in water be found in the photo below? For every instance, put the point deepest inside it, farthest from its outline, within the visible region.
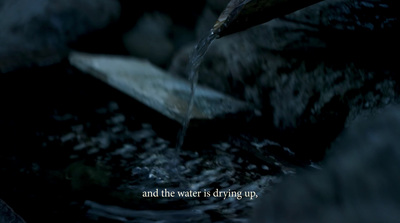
(193, 70)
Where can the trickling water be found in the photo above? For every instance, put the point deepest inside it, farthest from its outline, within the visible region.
(195, 60)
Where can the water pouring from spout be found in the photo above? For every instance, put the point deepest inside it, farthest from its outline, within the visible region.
(237, 16)
(193, 70)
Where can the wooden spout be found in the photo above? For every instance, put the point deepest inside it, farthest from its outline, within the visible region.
(243, 14)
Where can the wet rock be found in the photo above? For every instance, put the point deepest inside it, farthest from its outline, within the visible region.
(157, 89)
(149, 39)
(358, 182)
(309, 72)
(39, 33)
(7, 215)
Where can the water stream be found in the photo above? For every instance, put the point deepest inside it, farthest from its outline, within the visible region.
(195, 60)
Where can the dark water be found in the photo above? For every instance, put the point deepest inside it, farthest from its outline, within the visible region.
(73, 153)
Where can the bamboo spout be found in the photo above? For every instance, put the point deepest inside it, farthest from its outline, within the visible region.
(243, 14)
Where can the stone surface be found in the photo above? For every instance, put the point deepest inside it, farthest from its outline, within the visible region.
(155, 88)
(358, 182)
(38, 33)
(309, 72)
